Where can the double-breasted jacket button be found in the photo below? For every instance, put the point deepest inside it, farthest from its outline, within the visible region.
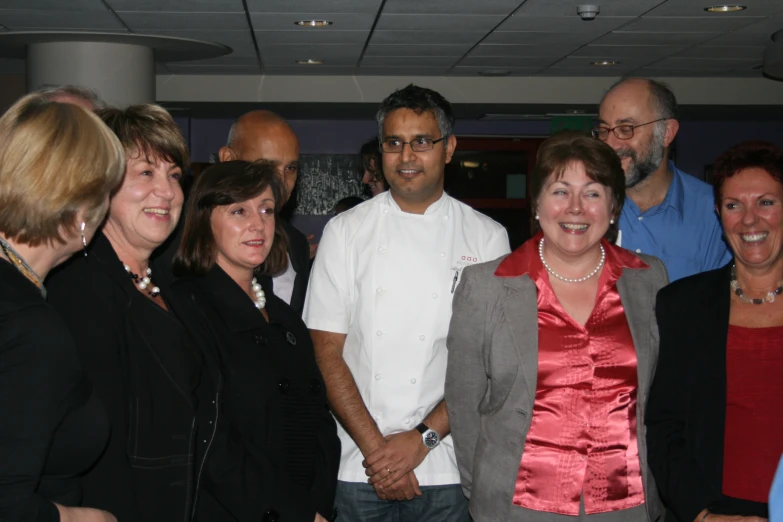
(284, 385)
(271, 516)
(315, 386)
(291, 338)
(259, 339)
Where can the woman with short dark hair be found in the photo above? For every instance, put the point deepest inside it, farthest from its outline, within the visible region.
(714, 421)
(551, 351)
(273, 394)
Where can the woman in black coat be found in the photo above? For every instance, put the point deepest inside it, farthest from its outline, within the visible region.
(273, 394)
(58, 164)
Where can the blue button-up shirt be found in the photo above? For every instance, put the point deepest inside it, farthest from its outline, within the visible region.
(683, 231)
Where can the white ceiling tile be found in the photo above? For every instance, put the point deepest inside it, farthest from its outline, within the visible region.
(405, 61)
(747, 53)
(661, 72)
(540, 38)
(739, 39)
(522, 50)
(576, 72)
(564, 24)
(312, 37)
(19, 19)
(287, 22)
(425, 37)
(462, 70)
(499, 62)
(415, 50)
(704, 63)
(693, 24)
(244, 61)
(178, 6)
(185, 21)
(334, 55)
(55, 5)
(402, 71)
(766, 26)
(308, 70)
(438, 7)
(305, 8)
(629, 38)
(696, 8)
(619, 52)
(445, 22)
(608, 8)
(213, 69)
(625, 62)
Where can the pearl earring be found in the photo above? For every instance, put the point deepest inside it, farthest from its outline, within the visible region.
(84, 239)
(611, 221)
(536, 217)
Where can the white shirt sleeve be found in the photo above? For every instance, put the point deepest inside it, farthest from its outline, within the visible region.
(497, 245)
(327, 305)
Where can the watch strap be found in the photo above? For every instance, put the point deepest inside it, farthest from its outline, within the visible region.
(422, 428)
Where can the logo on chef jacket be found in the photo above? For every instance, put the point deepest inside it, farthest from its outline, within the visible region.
(464, 261)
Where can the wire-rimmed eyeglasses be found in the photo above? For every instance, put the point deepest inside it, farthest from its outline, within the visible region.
(621, 132)
(395, 146)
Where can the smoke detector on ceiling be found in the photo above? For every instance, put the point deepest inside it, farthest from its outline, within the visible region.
(588, 11)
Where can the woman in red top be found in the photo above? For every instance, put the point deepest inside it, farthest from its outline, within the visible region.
(551, 352)
(715, 416)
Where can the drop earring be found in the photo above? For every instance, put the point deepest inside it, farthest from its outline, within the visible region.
(84, 239)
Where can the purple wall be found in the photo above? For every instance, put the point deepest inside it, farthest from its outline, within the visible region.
(698, 142)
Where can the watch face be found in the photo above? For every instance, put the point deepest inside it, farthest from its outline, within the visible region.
(431, 439)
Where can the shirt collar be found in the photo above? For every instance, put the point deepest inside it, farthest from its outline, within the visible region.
(432, 209)
(525, 261)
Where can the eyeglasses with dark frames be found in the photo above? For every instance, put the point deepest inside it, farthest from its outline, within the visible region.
(395, 146)
(621, 132)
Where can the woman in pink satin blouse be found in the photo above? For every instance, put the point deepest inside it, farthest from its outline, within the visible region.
(551, 353)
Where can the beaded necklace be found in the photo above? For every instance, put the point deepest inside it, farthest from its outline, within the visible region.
(769, 297)
(21, 265)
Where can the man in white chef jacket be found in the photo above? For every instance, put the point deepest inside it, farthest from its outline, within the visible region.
(378, 306)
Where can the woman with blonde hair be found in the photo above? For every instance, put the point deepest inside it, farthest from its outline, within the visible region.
(58, 164)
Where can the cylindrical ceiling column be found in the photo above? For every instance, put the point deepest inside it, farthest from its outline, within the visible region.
(122, 74)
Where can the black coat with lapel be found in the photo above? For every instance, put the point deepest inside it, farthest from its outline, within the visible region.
(149, 470)
(686, 411)
(274, 412)
(299, 252)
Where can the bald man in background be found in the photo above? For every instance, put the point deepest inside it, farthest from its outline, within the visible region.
(264, 135)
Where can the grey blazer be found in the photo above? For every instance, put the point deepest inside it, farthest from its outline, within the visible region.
(492, 376)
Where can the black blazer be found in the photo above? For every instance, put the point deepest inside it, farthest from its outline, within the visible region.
(273, 403)
(52, 428)
(152, 465)
(686, 410)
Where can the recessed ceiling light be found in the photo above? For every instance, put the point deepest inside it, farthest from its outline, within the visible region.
(314, 23)
(494, 72)
(604, 63)
(310, 62)
(725, 8)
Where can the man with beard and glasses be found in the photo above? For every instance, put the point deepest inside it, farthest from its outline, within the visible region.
(378, 308)
(667, 213)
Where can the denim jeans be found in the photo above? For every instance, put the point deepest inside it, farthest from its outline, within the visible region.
(358, 502)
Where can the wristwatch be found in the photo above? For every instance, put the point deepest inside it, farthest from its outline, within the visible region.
(429, 437)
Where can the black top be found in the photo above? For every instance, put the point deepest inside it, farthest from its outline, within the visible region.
(275, 400)
(686, 409)
(149, 376)
(51, 427)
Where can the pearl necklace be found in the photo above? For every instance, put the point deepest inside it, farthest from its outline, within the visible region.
(568, 279)
(769, 297)
(144, 282)
(260, 299)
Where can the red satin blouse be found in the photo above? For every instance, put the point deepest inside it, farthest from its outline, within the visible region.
(582, 440)
(754, 401)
